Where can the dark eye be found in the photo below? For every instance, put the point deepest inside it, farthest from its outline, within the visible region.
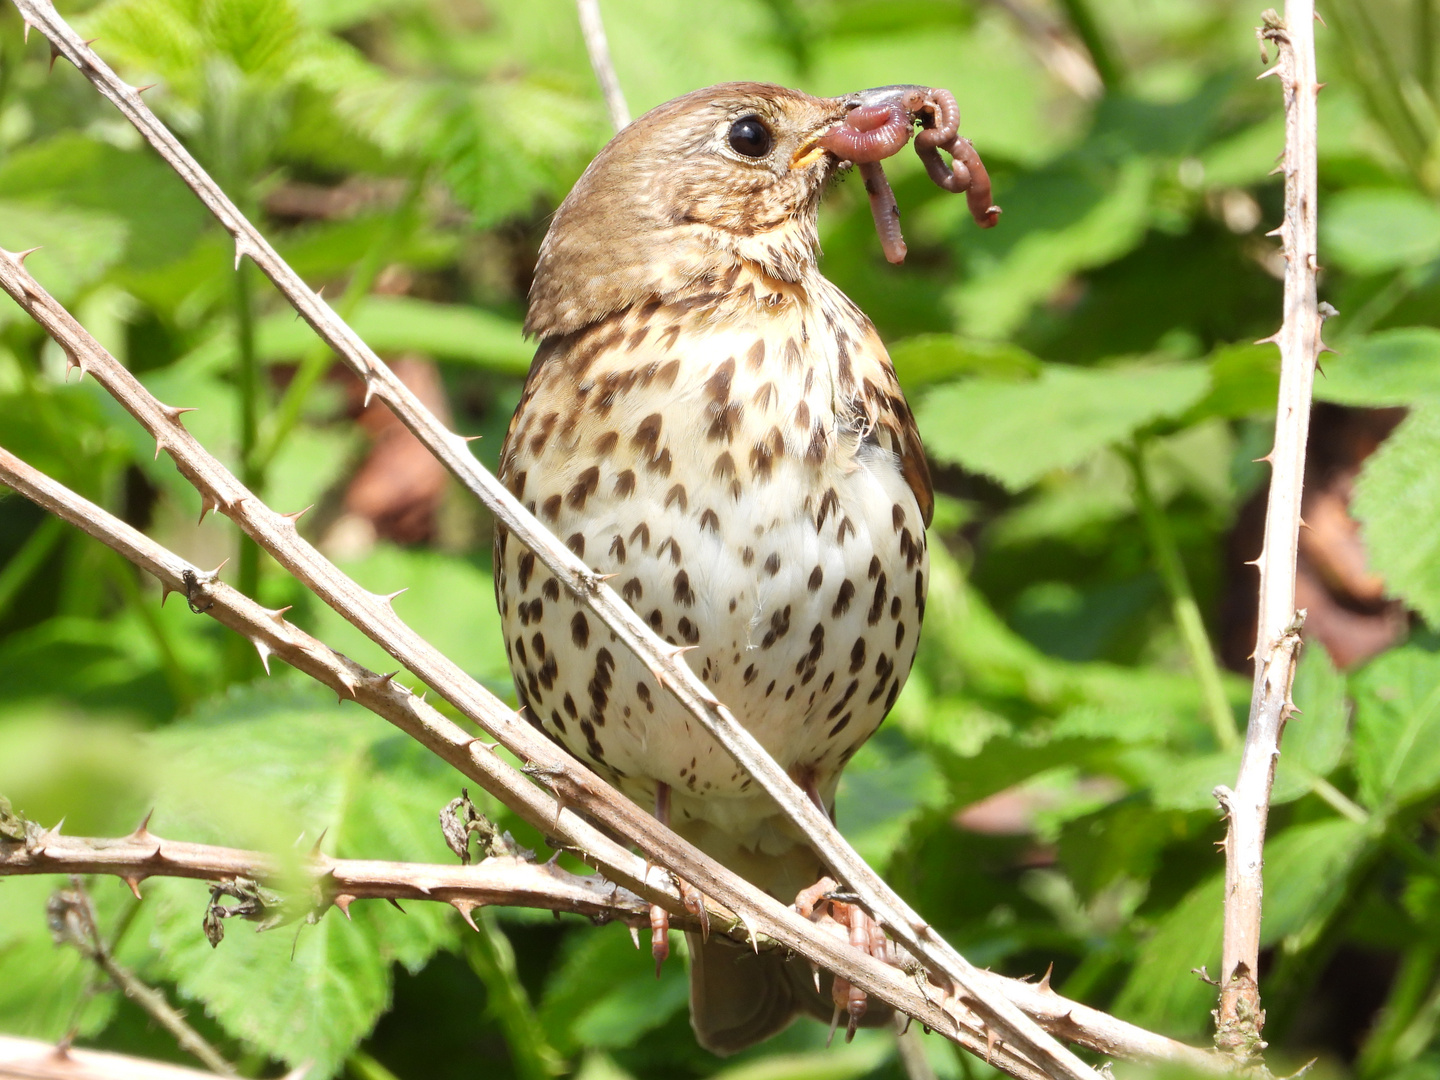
(749, 136)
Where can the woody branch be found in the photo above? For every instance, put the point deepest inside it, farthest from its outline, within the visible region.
(1239, 1018)
(506, 881)
(757, 915)
(664, 661)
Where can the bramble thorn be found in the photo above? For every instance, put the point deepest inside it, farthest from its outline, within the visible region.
(315, 848)
(133, 880)
(1044, 984)
(465, 907)
(343, 902)
(21, 256)
(141, 832)
(389, 598)
(298, 514)
(278, 615)
(264, 651)
(214, 574)
(141, 89)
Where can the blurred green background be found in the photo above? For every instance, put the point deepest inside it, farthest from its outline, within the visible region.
(1092, 404)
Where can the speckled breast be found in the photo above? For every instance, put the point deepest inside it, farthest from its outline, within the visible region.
(739, 474)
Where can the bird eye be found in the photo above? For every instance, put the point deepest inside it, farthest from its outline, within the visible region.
(749, 136)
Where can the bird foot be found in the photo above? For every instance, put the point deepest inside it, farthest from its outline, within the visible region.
(825, 904)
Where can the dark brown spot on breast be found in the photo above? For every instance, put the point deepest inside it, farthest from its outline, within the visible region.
(756, 356)
(656, 620)
(550, 508)
(764, 396)
(661, 464)
(899, 634)
(641, 532)
(633, 590)
(857, 655)
(605, 443)
(637, 337)
(846, 527)
(617, 549)
(683, 593)
(710, 520)
(897, 516)
(689, 632)
(717, 387)
(526, 566)
(828, 502)
(816, 577)
(802, 416)
(580, 630)
(673, 546)
(792, 354)
(874, 567)
(677, 494)
(625, 483)
(576, 543)
(772, 563)
(877, 606)
(551, 589)
(843, 598)
(764, 453)
(747, 556)
(647, 434)
(724, 465)
(839, 725)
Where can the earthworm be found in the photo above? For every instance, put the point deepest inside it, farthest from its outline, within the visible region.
(885, 211)
(879, 123)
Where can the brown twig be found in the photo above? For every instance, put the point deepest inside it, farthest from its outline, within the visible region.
(503, 881)
(598, 46)
(664, 661)
(1239, 1018)
(71, 915)
(31, 1059)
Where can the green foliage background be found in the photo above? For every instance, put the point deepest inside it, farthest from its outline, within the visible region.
(1084, 382)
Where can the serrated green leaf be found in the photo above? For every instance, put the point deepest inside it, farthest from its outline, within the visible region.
(1373, 230)
(76, 247)
(405, 324)
(259, 769)
(44, 987)
(1018, 432)
(997, 299)
(927, 358)
(1244, 381)
(448, 600)
(603, 992)
(1393, 367)
(1397, 500)
(1397, 727)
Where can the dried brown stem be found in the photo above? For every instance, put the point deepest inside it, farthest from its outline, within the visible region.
(592, 27)
(1239, 1018)
(31, 1059)
(71, 915)
(503, 881)
(665, 661)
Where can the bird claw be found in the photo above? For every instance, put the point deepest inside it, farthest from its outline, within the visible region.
(827, 905)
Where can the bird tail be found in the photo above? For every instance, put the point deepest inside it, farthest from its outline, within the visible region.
(739, 997)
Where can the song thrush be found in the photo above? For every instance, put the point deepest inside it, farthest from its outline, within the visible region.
(712, 422)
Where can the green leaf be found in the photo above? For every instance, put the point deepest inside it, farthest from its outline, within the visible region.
(883, 790)
(928, 358)
(259, 769)
(76, 247)
(448, 600)
(997, 300)
(1397, 500)
(1244, 381)
(1018, 432)
(45, 990)
(1188, 783)
(1302, 865)
(404, 324)
(1373, 230)
(1160, 992)
(1393, 367)
(603, 992)
(1397, 727)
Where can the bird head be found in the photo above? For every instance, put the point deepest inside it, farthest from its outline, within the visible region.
(723, 177)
